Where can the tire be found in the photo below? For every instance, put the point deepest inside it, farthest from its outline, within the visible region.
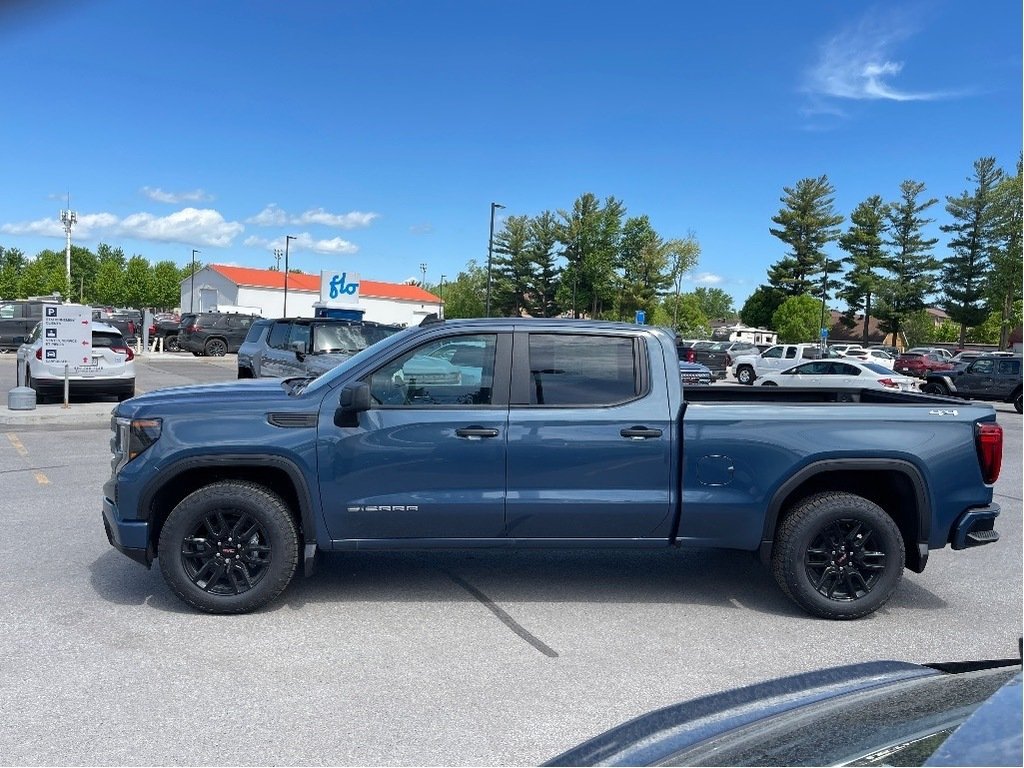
(197, 354)
(220, 575)
(40, 397)
(745, 374)
(935, 388)
(245, 373)
(804, 561)
(1018, 406)
(769, 384)
(122, 396)
(216, 347)
(171, 344)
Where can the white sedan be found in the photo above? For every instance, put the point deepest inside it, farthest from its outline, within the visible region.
(834, 373)
(877, 356)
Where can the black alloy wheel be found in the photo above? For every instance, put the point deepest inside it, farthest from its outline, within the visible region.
(171, 344)
(216, 348)
(842, 562)
(227, 553)
(933, 388)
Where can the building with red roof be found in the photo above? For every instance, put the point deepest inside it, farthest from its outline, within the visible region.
(263, 292)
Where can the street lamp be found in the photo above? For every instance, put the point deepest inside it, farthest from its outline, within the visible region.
(278, 253)
(490, 251)
(287, 240)
(423, 274)
(440, 295)
(192, 287)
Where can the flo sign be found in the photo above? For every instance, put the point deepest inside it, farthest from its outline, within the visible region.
(339, 288)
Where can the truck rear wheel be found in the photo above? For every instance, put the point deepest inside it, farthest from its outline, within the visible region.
(838, 555)
(1018, 404)
(745, 374)
(935, 388)
(230, 547)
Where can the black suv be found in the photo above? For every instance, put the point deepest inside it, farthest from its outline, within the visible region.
(306, 346)
(213, 333)
(989, 377)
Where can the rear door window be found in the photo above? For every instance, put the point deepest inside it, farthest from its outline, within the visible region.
(1009, 367)
(583, 370)
(279, 335)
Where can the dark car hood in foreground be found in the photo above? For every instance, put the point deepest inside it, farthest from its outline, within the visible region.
(867, 714)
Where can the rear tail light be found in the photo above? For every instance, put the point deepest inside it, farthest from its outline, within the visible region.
(888, 383)
(126, 351)
(39, 354)
(691, 355)
(988, 438)
(194, 328)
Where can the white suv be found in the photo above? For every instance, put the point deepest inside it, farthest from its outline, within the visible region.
(112, 371)
(777, 358)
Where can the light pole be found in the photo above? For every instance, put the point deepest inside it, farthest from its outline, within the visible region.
(192, 288)
(423, 274)
(440, 295)
(68, 218)
(287, 240)
(278, 253)
(490, 251)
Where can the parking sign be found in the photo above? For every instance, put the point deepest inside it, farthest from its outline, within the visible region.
(67, 335)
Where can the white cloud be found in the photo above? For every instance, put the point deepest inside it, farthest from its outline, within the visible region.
(189, 225)
(274, 216)
(161, 196)
(859, 63)
(707, 278)
(305, 242)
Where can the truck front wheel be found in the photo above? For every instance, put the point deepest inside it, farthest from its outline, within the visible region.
(838, 555)
(229, 547)
(745, 374)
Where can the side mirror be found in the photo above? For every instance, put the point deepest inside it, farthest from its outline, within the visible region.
(299, 348)
(354, 399)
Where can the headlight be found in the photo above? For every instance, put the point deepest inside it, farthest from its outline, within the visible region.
(132, 437)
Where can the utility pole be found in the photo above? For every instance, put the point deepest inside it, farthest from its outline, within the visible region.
(490, 251)
(287, 240)
(440, 295)
(68, 218)
(423, 274)
(192, 287)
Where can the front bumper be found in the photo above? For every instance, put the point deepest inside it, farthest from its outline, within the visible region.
(130, 538)
(975, 528)
(97, 386)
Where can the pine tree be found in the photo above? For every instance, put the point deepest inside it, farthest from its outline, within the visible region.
(546, 274)
(865, 244)
(808, 222)
(909, 263)
(975, 237)
(1005, 284)
(513, 274)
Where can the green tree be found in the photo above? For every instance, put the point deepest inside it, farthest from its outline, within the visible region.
(807, 223)
(919, 329)
(682, 256)
(975, 237)
(164, 286)
(43, 275)
(589, 234)
(864, 241)
(543, 243)
(909, 264)
(512, 276)
(1005, 282)
(107, 288)
(759, 308)
(464, 296)
(135, 285)
(643, 264)
(684, 315)
(715, 303)
(797, 319)
(12, 262)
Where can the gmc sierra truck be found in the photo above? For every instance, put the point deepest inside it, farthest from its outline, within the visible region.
(553, 433)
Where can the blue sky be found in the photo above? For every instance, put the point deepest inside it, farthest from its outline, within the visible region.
(380, 132)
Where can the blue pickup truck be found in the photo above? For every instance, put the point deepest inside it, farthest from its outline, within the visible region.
(548, 433)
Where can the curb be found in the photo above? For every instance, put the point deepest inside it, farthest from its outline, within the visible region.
(77, 415)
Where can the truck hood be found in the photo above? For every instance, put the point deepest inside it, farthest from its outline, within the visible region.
(251, 394)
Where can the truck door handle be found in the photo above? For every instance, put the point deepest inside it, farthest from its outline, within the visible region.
(475, 433)
(639, 433)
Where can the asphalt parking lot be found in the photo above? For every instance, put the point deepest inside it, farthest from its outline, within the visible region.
(482, 658)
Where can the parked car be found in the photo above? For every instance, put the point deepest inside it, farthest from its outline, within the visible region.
(892, 351)
(876, 713)
(569, 422)
(17, 319)
(112, 371)
(213, 333)
(250, 349)
(920, 364)
(963, 358)
(942, 352)
(309, 346)
(127, 321)
(710, 354)
(695, 374)
(992, 377)
(776, 358)
(844, 373)
(166, 328)
(876, 356)
(842, 349)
